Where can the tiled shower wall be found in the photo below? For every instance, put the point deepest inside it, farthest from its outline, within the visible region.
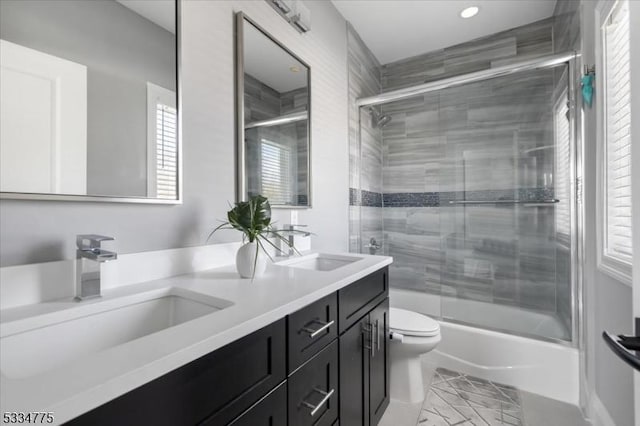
(436, 150)
(365, 146)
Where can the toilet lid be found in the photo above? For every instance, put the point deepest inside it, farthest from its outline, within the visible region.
(412, 323)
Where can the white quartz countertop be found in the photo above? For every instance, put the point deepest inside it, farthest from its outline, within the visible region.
(87, 383)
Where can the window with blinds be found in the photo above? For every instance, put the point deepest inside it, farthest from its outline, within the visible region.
(275, 172)
(617, 134)
(562, 180)
(166, 151)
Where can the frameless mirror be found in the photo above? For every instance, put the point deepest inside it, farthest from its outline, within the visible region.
(273, 119)
(89, 105)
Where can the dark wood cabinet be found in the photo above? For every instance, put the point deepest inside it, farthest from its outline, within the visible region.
(379, 364)
(326, 364)
(269, 411)
(364, 368)
(314, 390)
(310, 329)
(355, 345)
(218, 386)
(357, 299)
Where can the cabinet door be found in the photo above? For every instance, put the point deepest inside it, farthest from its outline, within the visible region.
(379, 362)
(313, 390)
(269, 411)
(355, 346)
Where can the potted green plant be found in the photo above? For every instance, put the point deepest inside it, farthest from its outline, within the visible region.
(253, 219)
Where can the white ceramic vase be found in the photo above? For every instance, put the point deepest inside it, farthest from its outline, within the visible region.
(246, 259)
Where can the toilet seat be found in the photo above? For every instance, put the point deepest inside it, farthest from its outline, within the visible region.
(411, 323)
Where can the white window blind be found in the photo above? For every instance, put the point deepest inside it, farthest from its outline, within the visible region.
(166, 151)
(275, 171)
(617, 134)
(562, 184)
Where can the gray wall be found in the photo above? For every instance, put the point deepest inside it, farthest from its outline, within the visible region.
(37, 231)
(607, 302)
(494, 50)
(122, 51)
(365, 146)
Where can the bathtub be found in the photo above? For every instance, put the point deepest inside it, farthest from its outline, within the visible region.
(544, 368)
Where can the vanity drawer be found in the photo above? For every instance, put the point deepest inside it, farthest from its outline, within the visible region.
(313, 390)
(357, 299)
(310, 329)
(218, 386)
(269, 411)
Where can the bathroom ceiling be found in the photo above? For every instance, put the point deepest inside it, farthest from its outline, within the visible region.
(398, 29)
(161, 12)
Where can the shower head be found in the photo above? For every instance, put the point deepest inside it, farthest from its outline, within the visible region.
(378, 120)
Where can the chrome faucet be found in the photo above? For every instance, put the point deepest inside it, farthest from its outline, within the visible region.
(89, 257)
(373, 246)
(290, 231)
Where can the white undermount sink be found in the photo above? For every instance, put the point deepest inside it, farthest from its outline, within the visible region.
(320, 262)
(91, 327)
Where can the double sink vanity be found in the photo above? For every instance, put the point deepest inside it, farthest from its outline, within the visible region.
(307, 343)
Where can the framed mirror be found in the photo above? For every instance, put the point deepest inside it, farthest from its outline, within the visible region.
(90, 106)
(273, 119)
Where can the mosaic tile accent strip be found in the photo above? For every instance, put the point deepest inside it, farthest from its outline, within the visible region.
(463, 400)
(411, 199)
(437, 199)
(371, 199)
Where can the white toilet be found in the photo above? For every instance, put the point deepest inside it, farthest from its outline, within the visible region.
(412, 334)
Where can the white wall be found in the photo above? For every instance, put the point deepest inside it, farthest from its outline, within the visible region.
(37, 231)
(608, 302)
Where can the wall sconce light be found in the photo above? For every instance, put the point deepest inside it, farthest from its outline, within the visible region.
(294, 12)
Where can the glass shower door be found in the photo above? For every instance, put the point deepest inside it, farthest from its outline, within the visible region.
(505, 211)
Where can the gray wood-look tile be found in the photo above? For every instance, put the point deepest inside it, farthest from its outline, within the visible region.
(465, 142)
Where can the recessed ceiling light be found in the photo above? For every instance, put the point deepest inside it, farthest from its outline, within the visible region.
(469, 12)
(294, 69)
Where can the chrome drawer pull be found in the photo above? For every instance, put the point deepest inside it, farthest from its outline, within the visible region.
(371, 347)
(313, 333)
(325, 398)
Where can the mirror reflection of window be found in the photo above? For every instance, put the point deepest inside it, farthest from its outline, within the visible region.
(162, 147)
(275, 172)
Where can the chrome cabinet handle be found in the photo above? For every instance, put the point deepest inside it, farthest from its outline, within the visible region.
(377, 335)
(369, 329)
(325, 398)
(313, 333)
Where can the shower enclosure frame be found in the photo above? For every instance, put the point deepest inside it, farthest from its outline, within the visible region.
(570, 59)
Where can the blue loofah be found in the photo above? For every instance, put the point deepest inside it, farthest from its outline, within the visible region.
(587, 89)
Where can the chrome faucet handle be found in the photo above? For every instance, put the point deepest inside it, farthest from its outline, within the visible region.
(93, 239)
